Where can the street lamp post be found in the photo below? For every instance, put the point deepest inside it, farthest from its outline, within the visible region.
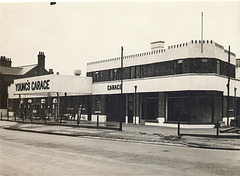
(135, 102)
(59, 117)
(43, 110)
(235, 103)
(30, 109)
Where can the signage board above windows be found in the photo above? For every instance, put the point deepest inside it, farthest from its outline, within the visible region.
(51, 85)
(34, 85)
(114, 87)
(38, 84)
(186, 82)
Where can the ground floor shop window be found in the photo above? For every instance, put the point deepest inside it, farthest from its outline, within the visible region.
(195, 107)
(52, 108)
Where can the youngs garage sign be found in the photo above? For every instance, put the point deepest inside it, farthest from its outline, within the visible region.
(34, 85)
(54, 84)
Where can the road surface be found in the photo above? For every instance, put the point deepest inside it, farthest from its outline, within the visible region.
(30, 154)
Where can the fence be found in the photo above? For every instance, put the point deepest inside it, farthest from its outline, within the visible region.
(64, 120)
(217, 130)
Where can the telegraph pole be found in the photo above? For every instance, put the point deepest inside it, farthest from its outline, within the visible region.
(228, 85)
(121, 99)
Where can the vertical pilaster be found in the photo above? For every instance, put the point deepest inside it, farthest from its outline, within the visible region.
(162, 107)
(126, 116)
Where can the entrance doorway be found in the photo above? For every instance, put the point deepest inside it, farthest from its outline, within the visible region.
(149, 109)
(130, 111)
(114, 107)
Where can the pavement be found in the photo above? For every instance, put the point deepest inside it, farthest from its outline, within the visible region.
(199, 138)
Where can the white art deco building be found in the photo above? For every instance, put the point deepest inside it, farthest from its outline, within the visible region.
(187, 81)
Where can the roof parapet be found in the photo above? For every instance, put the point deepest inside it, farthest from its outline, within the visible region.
(162, 50)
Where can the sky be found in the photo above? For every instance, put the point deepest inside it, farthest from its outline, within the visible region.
(71, 34)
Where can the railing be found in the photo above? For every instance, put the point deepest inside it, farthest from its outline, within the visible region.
(64, 120)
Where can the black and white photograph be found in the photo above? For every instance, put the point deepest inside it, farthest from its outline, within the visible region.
(111, 87)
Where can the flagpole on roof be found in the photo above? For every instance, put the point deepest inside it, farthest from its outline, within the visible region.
(202, 32)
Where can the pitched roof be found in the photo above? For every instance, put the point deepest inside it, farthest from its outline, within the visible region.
(21, 70)
(10, 70)
(26, 69)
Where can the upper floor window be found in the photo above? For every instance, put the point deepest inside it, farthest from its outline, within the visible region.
(189, 65)
(114, 74)
(105, 75)
(133, 72)
(138, 71)
(126, 73)
(96, 76)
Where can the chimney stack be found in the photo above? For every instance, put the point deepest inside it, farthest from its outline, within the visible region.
(41, 63)
(41, 60)
(157, 45)
(50, 71)
(77, 72)
(5, 62)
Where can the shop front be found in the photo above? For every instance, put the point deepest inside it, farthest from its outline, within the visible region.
(192, 99)
(50, 97)
(58, 97)
(202, 107)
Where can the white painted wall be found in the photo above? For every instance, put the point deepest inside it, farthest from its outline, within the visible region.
(192, 50)
(73, 85)
(102, 118)
(238, 73)
(3, 112)
(184, 82)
